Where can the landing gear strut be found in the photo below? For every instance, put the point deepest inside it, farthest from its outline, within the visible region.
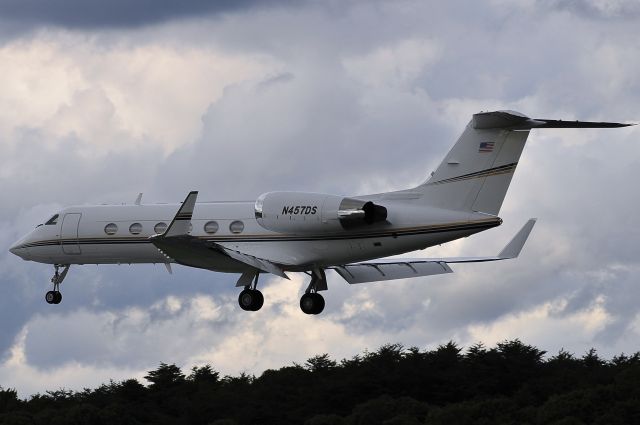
(250, 299)
(55, 297)
(312, 302)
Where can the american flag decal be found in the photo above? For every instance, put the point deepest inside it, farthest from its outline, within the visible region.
(486, 147)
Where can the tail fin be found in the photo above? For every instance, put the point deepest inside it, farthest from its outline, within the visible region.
(477, 171)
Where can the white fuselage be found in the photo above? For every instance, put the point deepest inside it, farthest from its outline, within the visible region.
(119, 234)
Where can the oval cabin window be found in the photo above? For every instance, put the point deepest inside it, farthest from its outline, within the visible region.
(236, 226)
(111, 229)
(211, 227)
(135, 229)
(160, 228)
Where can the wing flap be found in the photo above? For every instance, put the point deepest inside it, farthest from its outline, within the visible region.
(373, 272)
(258, 263)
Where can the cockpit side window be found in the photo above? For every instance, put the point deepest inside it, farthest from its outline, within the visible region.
(52, 220)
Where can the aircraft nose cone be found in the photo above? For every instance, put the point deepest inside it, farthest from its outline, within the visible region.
(16, 250)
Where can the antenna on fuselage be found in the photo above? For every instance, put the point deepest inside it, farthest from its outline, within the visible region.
(139, 199)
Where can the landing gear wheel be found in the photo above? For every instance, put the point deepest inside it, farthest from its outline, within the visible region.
(250, 300)
(55, 297)
(259, 300)
(320, 304)
(245, 299)
(50, 297)
(312, 303)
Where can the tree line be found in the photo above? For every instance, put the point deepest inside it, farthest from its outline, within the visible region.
(507, 384)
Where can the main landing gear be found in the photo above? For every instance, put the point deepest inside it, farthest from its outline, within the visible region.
(250, 299)
(55, 297)
(312, 302)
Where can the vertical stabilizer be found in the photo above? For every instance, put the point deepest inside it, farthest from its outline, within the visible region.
(477, 171)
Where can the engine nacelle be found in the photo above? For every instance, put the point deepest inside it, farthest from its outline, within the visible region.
(306, 213)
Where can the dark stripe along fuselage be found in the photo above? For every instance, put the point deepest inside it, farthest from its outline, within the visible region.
(423, 230)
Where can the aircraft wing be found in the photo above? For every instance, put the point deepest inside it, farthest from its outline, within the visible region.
(178, 245)
(191, 251)
(255, 262)
(403, 268)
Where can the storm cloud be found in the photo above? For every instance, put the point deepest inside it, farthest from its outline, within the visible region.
(340, 97)
(119, 13)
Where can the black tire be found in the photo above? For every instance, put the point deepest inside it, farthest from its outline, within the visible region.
(308, 303)
(319, 303)
(50, 297)
(258, 300)
(246, 299)
(58, 296)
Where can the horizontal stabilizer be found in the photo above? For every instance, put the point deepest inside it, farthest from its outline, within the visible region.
(499, 119)
(578, 124)
(403, 268)
(511, 120)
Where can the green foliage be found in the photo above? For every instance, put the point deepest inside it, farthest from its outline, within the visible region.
(320, 363)
(506, 384)
(8, 400)
(165, 377)
(489, 411)
(325, 420)
(204, 375)
(384, 409)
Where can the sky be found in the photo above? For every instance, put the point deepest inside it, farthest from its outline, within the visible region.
(99, 103)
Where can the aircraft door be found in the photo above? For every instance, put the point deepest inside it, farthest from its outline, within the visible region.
(69, 233)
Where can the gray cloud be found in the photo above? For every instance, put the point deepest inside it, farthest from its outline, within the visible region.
(117, 14)
(353, 100)
(615, 9)
(299, 133)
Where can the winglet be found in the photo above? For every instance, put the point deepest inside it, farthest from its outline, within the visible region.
(513, 248)
(180, 223)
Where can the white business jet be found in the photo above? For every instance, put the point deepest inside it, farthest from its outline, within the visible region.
(284, 232)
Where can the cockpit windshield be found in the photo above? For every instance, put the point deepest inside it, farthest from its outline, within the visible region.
(52, 220)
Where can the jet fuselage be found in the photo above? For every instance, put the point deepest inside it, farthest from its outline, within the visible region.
(120, 234)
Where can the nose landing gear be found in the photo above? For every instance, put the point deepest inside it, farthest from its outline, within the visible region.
(312, 302)
(55, 297)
